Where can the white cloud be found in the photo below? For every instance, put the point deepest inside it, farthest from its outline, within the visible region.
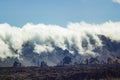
(46, 37)
(42, 48)
(116, 1)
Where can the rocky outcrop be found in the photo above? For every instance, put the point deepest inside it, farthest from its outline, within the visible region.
(17, 64)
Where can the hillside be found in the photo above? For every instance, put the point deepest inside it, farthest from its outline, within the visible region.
(83, 72)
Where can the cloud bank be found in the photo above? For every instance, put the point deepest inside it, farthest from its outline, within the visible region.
(46, 37)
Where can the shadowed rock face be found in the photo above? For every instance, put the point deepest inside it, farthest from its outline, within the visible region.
(43, 64)
(109, 44)
(109, 50)
(66, 60)
(17, 64)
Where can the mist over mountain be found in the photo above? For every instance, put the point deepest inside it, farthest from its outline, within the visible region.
(32, 44)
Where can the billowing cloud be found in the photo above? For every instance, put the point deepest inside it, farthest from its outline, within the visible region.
(46, 37)
(116, 1)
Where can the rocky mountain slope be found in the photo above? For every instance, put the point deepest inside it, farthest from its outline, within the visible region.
(108, 53)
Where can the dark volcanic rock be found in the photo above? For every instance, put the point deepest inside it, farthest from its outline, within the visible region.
(95, 72)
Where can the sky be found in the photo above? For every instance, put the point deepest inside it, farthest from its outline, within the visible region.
(58, 12)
